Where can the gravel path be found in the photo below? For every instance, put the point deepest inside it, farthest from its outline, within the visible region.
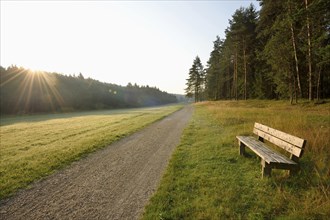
(113, 183)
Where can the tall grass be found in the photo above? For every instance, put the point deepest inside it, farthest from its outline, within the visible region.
(207, 179)
(35, 146)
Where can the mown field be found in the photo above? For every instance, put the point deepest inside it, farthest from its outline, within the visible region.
(33, 147)
(207, 179)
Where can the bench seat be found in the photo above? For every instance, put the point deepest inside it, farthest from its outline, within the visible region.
(270, 158)
(264, 152)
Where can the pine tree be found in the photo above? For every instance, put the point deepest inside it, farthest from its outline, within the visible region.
(281, 52)
(241, 38)
(213, 72)
(196, 81)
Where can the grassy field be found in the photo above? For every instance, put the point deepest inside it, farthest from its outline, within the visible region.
(207, 179)
(33, 147)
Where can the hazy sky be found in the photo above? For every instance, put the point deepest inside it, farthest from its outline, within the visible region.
(145, 42)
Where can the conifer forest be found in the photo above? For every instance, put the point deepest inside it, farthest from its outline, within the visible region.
(24, 91)
(279, 52)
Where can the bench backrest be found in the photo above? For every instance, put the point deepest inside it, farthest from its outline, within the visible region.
(294, 145)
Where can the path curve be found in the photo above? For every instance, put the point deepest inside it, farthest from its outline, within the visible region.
(113, 183)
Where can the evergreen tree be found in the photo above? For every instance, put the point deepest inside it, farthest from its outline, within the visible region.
(304, 24)
(196, 81)
(241, 41)
(24, 91)
(281, 52)
(213, 72)
(315, 33)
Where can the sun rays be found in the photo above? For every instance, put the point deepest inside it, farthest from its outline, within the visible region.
(36, 89)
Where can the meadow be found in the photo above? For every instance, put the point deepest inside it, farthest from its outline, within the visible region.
(207, 179)
(33, 147)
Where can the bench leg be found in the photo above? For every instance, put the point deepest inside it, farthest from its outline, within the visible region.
(266, 169)
(241, 148)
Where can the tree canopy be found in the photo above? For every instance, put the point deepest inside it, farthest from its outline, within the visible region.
(24, 91)
(196, 81)
(280, 52)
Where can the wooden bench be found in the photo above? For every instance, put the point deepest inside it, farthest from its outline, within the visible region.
(271, 159)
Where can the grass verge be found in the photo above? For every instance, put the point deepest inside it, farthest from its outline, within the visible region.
(207, 179)
(33, 147)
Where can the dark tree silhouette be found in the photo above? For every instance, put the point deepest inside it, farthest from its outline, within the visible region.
(24, 91)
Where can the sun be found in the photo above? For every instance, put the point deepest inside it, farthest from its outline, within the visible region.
(34, 71)
(32, 82)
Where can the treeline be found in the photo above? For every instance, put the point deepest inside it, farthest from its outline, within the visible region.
(24, 91)
(280, 52)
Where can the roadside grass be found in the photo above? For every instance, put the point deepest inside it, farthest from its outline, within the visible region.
(33, 147)
(207, 179)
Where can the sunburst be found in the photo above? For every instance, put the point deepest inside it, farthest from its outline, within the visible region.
(33, 82)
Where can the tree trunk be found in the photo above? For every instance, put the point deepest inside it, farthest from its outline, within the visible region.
(217, 87)
(318, 85)
(294, 88)
(228, 83)
(233, 85)
(310, 85)
(236, 64)
(234, 77)
(295, 55)
(290, 91)
(245, 72)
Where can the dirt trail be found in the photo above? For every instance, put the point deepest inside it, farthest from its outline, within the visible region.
(113, 183)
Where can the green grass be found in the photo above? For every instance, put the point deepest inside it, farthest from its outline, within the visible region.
(207, 179)
(33, 147)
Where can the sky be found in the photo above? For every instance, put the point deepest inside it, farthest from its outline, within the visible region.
(145, 42)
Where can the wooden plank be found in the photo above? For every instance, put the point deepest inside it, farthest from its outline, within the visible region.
(270, 159)
(254, 146)
(267, 154)
(280, 143)
(276, 157)
(299, 142)
(281, 159)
